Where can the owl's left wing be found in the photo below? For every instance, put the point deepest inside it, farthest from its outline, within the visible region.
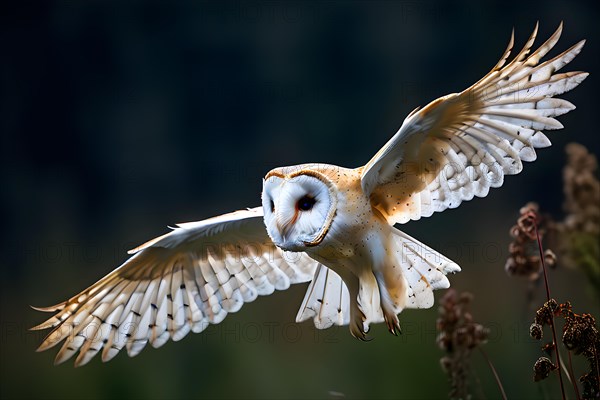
(460, 145)
(179, 282)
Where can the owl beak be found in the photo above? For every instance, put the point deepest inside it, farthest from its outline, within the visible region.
(281, 229)
(284, 226)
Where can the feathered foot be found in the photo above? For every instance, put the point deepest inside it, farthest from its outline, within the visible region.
(357, 325)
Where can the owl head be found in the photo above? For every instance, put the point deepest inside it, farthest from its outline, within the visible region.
(299, 204)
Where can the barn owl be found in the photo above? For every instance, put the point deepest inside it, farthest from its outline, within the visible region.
(329, 225)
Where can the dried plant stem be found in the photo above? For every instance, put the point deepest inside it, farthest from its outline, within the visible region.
(555, 342)
(597, 362)
(502, 392)
(572, 376)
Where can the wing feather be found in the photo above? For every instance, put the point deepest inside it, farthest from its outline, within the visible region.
(461, 145)
(174, 284)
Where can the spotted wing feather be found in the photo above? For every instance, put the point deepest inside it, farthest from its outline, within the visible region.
(461, 145)
(180, 282)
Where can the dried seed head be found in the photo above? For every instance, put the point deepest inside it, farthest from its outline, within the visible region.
(446, 364)
(458, 335)
(549, 258)
(524, 259)
(536, 331)
(528, 220)
(544, 315)
(579, 234)
(582, 190)
(548, 348)
(591, 385)
(542, 368)
(580, 333)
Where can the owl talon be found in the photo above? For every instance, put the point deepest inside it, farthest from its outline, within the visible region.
(393, 324)
(357, 328)
(358, 333)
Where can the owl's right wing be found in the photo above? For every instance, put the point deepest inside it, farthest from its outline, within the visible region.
(462, 144)
(179, 282)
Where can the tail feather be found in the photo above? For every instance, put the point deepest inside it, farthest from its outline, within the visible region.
(423, 268)
(327, 300)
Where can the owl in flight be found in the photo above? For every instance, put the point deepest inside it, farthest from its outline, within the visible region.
(330, 225)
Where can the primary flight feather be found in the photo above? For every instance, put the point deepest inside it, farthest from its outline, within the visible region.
(329, 225)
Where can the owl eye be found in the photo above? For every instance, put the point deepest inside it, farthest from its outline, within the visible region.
(306, 203)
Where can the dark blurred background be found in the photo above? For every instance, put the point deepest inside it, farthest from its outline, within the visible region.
(118, 118)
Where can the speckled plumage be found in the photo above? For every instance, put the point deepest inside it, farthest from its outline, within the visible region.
(329, 225)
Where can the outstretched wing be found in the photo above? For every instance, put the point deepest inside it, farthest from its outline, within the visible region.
(460, 145)
(179, 282)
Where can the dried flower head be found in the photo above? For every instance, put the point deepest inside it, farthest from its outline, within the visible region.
(536, 331)
(524, 259)
(578, 240)
(582, 190)
(578, 236)
(580, 335)
(549, 258)
(544, 315)
(542, 368)
(548, 348)
(458, 335)
(579, 331)
(528, 220)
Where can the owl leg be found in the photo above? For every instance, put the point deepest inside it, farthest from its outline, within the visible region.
(390, 289)
(357, 316)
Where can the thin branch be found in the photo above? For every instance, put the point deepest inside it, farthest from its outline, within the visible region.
(502, 392)
(571, 376)
(562, 385)
(566, 370)
(597, 366)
